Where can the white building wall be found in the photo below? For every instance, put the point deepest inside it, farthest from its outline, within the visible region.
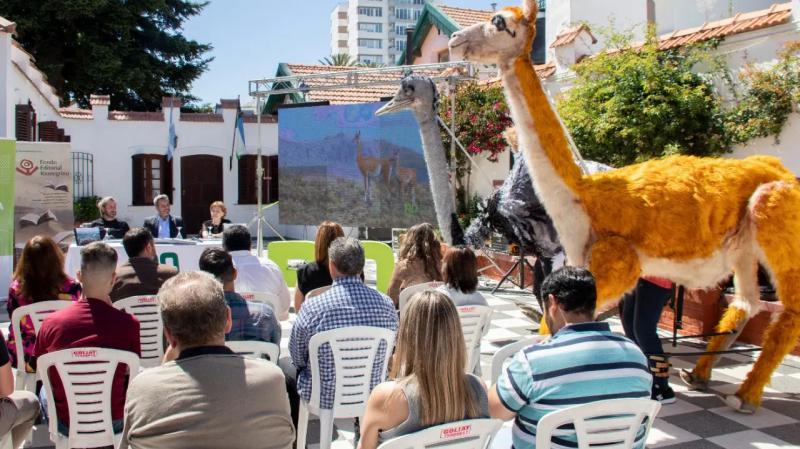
(784, 147)
(674, 15)
(336, 35)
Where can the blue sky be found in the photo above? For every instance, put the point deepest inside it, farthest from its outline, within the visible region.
(250, 38)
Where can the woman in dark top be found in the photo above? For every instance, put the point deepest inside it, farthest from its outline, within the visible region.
(314, 275)
(213, 228)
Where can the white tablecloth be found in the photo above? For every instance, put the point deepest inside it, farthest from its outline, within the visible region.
(185, 257)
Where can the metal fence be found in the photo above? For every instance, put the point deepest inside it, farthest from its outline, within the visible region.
(82, 175)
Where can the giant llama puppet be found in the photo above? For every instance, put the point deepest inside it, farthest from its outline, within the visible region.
(692, 220)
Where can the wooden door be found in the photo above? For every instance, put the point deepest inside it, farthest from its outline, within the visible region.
(201, 185)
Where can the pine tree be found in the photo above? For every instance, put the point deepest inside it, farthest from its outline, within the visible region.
(131, 50)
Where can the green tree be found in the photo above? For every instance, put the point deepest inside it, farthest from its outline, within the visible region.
(339, 59)
(768, 98)
(632, 104)
(131, 50)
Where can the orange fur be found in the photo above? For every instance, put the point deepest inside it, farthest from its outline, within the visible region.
(616, 267)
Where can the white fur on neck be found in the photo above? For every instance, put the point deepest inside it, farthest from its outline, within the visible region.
(563, 205)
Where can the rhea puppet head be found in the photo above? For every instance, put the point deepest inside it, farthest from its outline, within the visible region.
(417, 93)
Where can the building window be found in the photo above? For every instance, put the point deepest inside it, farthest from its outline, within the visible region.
(400, 45)
(370, 27)
(247, 179)
(419, 2)
(400, 29)
(369, 59)
(407, 2)
(417, 13)
(152, 176)
(370, 43)
(370, 11)
(403, 13)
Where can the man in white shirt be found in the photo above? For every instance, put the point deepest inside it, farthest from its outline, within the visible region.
(255, 275)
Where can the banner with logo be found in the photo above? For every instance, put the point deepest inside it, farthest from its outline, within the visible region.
(7, 160)
(43, 192)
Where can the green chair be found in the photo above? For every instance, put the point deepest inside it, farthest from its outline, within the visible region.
(282, 252)
(383, 256)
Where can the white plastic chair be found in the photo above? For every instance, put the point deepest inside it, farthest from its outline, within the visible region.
(151, 327)
(317, 291)
(256, 349)
(610, 424)
(354, 350)
(87, 375)
(37, 311)
(264, 298)
(508, 351)
(475, 322)
(408, 292)
(467, 434)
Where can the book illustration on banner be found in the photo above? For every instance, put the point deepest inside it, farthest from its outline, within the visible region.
(54, 186)
(34, 219)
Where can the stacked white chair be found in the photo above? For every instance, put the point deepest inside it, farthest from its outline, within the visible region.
(609, 424)
(151, 327)
(256, 349)
(475, 321)
(37, 312)
(408, 292)
(354, 351)
(87, 375)
(508, 351)
(467, 434)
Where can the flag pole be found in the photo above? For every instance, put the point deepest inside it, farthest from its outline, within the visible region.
(259, 184)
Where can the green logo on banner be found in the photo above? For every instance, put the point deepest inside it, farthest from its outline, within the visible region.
(173, 259)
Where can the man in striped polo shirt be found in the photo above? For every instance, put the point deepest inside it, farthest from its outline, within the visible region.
(583, 362)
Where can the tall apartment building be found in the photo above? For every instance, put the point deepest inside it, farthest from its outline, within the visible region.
(373, 31)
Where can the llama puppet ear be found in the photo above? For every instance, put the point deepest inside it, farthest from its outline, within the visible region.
(529, 9)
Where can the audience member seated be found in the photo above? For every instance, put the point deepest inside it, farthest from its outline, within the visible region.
(430, 387)
(91, 321)
(39, 276)
(208, 397)
(213, 228)
(251, 320)
(349, 302)
(254, 274)
(18, 409)
(420, 260)
(460, 276)
(315, 274)
(108, 218)
(583, 362)
(141, 274)
(163, 225)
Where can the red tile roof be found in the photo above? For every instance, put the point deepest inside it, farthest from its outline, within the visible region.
(345, 96)
(465, 17)
(777, 14)
(81, 114)
(543, 70)
(136, 115)
(569, 35)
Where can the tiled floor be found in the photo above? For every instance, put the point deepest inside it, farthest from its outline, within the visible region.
(696, 421)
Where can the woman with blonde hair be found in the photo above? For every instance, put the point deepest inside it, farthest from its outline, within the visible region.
(213, 228)
(419, 261)
(430, 386)
(39, 276)
(314, 275)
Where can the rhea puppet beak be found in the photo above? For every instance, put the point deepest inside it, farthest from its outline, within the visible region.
(394, 105)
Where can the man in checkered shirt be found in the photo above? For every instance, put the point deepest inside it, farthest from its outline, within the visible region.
(348, 303)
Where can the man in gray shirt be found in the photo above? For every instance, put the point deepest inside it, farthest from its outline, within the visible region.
(208, 397)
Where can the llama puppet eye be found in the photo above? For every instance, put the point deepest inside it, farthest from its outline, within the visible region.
(499, 22)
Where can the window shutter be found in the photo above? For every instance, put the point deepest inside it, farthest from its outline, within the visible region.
(272, 193)
(25, 122)
(137, 176)
(48, 132)
(247, 181)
